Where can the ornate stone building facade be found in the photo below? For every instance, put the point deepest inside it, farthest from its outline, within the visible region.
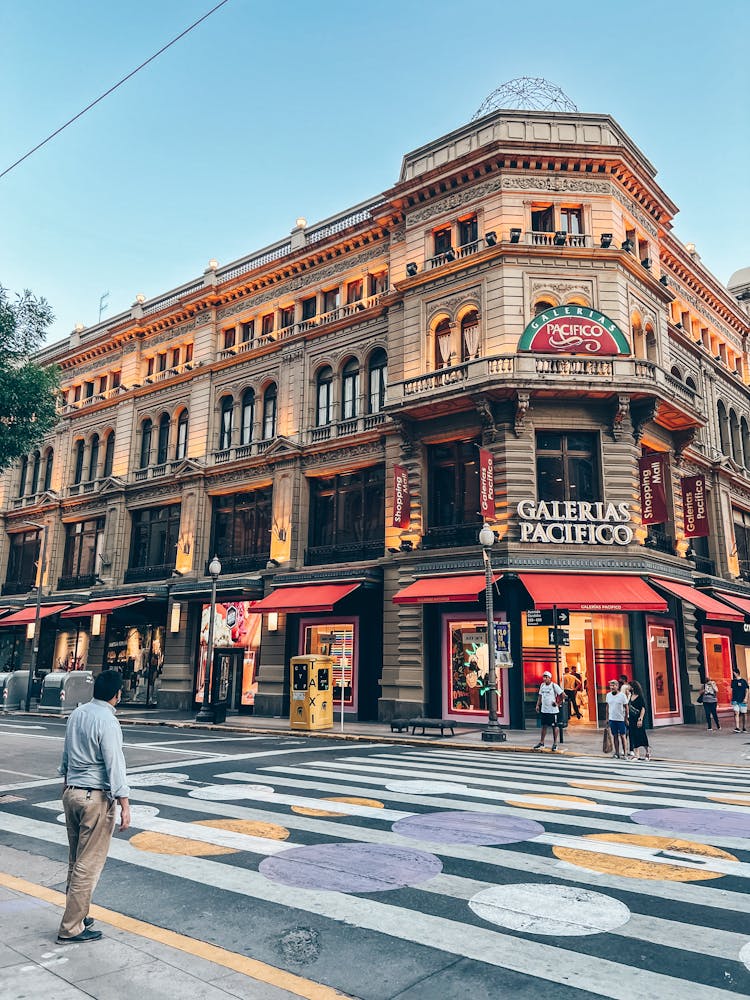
(517, 296)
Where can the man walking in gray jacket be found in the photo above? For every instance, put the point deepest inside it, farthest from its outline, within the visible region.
(94, 780)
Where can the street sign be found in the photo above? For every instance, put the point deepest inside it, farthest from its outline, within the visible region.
(558, 637)
(550, 616)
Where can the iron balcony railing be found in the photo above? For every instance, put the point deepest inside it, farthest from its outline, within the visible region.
(451, 535)
(321, 555)
(137, 574)
(81, 581)
(241, 564)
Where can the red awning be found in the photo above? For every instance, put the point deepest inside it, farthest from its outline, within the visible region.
(441, 589)
(582, 592)
(27, 615)
(311, 597)
(105, 606)
(715, 610)
(742, 603)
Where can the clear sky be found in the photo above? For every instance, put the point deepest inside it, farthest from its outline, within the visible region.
(270, 111)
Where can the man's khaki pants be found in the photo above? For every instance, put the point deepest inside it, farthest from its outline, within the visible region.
(90, 819)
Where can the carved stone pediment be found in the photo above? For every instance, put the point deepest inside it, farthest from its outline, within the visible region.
(282, 447)
(112, 484)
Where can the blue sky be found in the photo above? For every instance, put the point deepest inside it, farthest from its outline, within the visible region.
(270, 111)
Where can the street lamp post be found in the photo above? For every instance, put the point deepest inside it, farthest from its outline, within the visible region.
(38, 612)
(492, 733)
(206, 713)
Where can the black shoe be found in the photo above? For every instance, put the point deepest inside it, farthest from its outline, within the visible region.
(85, 935)
(87, 922)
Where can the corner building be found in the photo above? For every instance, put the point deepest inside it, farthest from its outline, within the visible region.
(517, 296)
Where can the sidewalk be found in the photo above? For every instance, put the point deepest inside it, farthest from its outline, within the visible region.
(133, 961)
(687, 743)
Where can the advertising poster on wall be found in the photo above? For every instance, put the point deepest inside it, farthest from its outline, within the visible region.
(235, 626)
(466, 692)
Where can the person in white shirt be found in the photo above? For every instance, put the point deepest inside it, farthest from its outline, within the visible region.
(617, 707)
(548, 705)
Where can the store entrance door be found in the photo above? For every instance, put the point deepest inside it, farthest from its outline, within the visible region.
(227, 680)
(717, 656)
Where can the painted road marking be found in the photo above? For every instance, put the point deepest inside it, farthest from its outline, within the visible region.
(620, 859)
(200, 845)
(306, 988)
(555, 910)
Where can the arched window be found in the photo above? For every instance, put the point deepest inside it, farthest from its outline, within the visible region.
(690, 383)
(50, 457)
(676, 373)
(745, 435)
(442, 344)
(162, 444)
(269, 411)
(650, 338)
(248, 416)
(226, 419)
(36, 464)
(470, 336)
(109, 454)
(78, 469)
(180, 448)
(324, 392)
(734, 431)
(378, 379)
(542, 306)
(93, 457)
(146, 430)
(723, 428)
(22, 475)
(350, 389)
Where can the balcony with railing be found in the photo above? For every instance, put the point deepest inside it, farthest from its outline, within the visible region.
(321, 555)
(139, 574)
(241, 564)
(558, 239)
(17, 587)
(451, 535)
(84, 489)
(80, 582)
(169, 373)
(703, 564)
(98, 397)
(345, 428)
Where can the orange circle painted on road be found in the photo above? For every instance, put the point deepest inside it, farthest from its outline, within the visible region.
(545, 801)
(731, 800)
(615, 786)
(352, 800)
(169, 843)
(643, 868)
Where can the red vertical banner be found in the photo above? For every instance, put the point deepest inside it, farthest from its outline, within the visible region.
(653, 470)
(486, 484)
(694, 506)
(401, 498)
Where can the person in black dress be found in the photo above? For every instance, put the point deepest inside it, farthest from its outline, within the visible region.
(637, 722)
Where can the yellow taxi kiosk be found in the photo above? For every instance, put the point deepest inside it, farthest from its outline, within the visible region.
(311, 703)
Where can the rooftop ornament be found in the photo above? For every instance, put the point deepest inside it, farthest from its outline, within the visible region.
(526, 93)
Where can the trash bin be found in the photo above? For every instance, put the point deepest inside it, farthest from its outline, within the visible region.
(63, 690)
(14, 690)
(311, 702)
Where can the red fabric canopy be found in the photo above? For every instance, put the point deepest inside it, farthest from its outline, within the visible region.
(27, 615)
(440, 589)
(743, 603)
(583, 592)
(715, 610)
(105, 606)
(311, 597)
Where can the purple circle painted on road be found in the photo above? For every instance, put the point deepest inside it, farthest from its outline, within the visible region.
(350, 867)
(706, 822)
(468, 828)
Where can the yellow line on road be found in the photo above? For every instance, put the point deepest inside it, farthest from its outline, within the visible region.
(297, 985)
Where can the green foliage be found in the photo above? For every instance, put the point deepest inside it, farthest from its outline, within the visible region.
(27, 391)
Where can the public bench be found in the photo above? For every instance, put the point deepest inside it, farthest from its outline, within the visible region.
(425, 724)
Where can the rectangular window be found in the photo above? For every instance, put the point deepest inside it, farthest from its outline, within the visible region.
(443, 240)
(188, 353)
(266, 324)
(115, 379)
(330, 300)
(378, 283)
(571, 221)
(77, 394)
(154, 538)
(22, 562)
(453, 476)
(175, 357)
(353, 291)
(242, 527)
(741, 520)
(287, 316)
(467, 231)
(82, 546)
(162, 361)
(88, 390)
(248, 331)
(150, 362)
(102, 387)
(229, 337)
(567, 466)
(347, 516)
(309, 307)
(542, 219)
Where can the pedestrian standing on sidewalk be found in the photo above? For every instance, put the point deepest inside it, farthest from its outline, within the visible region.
(617, 707)
(548, 703)
(94, 779)
(637, 723)
(710, 698)
(739, 699)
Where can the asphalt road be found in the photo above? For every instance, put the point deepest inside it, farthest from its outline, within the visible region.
(419, 873)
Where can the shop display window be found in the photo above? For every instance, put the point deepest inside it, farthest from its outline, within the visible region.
(137, 651)
(663, 675)
(466, 667)
(717, 660)
(71, 649)
(235, 627)
(338, 639)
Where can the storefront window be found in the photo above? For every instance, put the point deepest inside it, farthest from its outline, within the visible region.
(337, 640)
(71, 649)
(242, 528)
(466, 668)
(598, 651)
(235, 627)
(137, 651)
(717, 660)
(662, 665)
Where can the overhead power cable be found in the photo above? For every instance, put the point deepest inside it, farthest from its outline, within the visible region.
(113, 88)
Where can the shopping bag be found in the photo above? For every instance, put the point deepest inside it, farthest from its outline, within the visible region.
(607, 744)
